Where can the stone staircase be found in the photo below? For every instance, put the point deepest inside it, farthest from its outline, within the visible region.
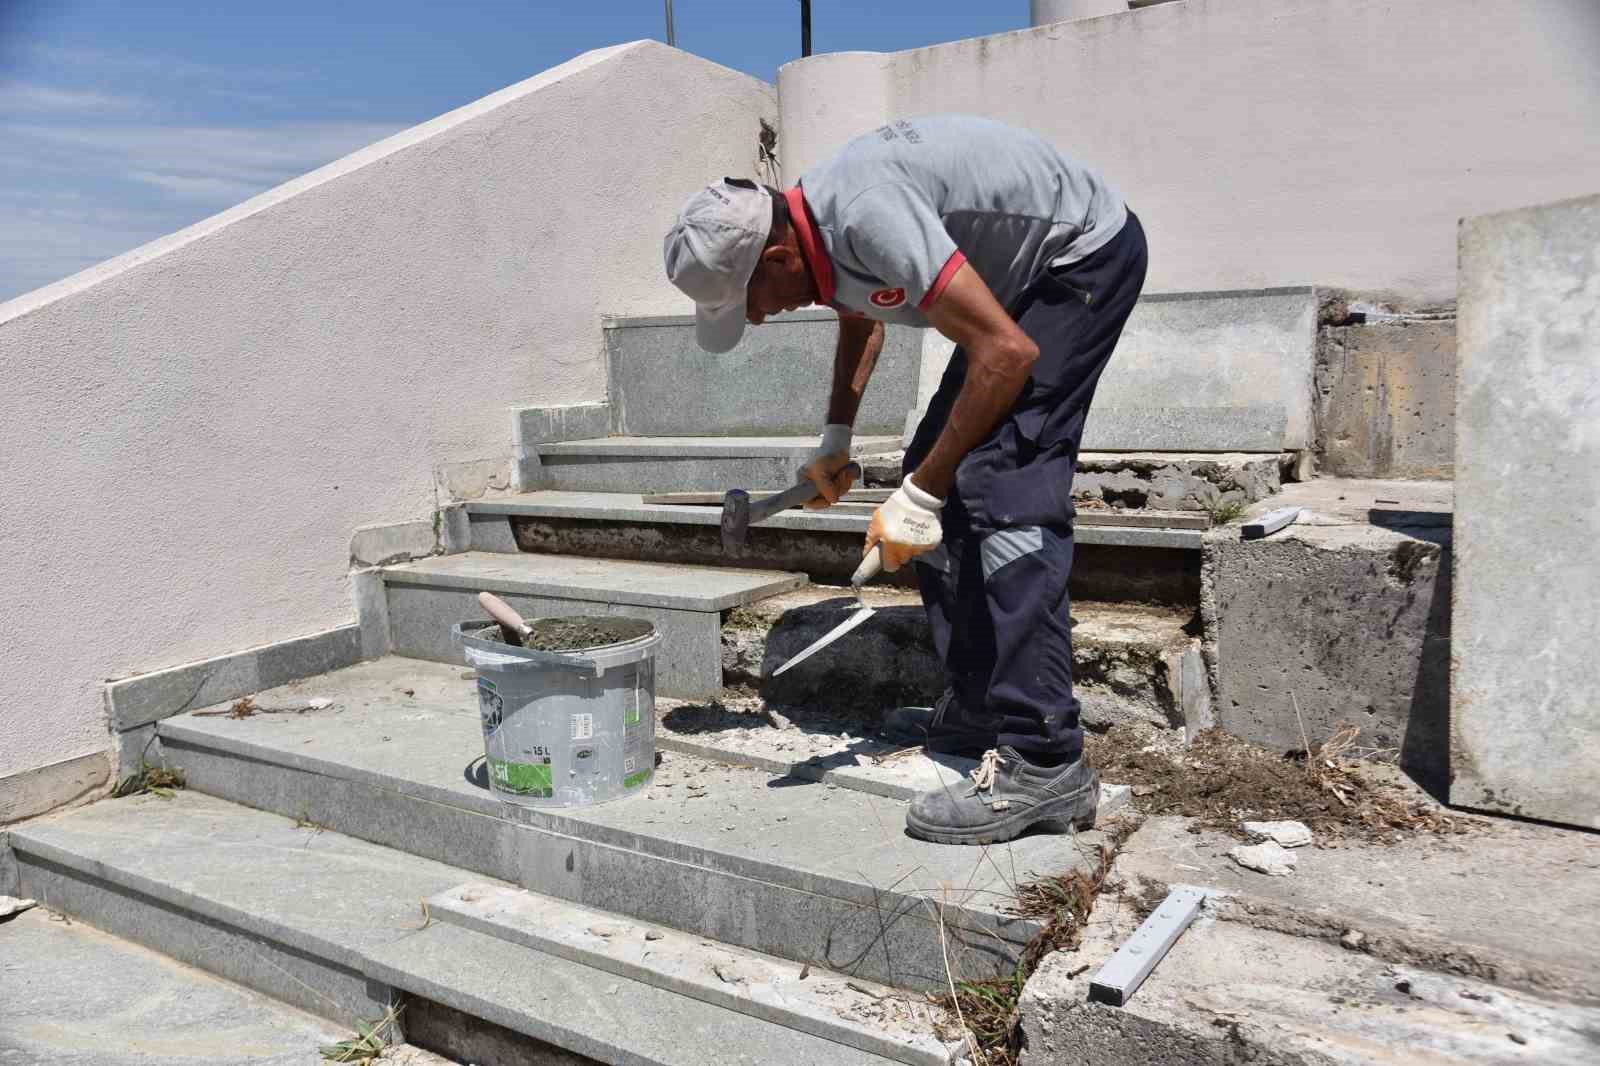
(337, 847)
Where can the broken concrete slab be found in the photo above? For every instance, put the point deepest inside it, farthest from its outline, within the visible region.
(1526, 708)
(1228, 993)
(1283, 834)
(1266, 858)
(1386, 399)
(1165, 481)
(846, 1011)
(73, 994)
(1343, 617)
(1511, 903)
(774, 381)
(786, 867)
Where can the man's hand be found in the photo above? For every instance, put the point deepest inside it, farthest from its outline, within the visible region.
(826, 466)
(905, 526)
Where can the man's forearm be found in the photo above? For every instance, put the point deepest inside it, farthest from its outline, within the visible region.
(994, 380)
(860, 341)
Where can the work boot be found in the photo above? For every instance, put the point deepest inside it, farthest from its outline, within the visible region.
(944, 727)
(1005, 795)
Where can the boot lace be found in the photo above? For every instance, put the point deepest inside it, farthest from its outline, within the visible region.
(983, 774)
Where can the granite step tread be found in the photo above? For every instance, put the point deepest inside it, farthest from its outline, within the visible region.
(359, 905)
(570, 577)
(629, 507)
(777, 864)
(718, 447)
(858, 1014)
(75, 994)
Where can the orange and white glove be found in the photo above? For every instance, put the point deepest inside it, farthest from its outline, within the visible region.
(826, 466)
(906, 525)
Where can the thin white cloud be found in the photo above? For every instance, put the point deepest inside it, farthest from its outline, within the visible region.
(214, 165)
(45, 99)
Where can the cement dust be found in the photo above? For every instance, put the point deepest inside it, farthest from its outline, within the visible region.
(1221, 781)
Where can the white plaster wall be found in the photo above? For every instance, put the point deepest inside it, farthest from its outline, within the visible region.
(1273, 142)
(192, 431)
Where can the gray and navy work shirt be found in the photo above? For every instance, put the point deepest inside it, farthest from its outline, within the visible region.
(886, 223)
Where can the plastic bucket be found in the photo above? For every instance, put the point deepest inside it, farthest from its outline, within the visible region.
(565, 729)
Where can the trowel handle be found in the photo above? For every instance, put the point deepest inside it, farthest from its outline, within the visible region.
(503, 612)
(869, 568)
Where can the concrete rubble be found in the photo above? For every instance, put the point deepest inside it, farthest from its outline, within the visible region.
(1283, 834)
(1267, 858)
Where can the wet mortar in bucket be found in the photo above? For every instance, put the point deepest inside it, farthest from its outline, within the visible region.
(568, 715)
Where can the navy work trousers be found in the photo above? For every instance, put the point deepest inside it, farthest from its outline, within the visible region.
(996, 590)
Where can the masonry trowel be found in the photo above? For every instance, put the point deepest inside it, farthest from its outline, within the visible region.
(865, 572)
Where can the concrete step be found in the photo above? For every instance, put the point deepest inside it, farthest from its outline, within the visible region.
(74, 994)
(1111, 563)
(774, 381)
(1513, 903)
(309, 914)
(1130, 662)
(685, 602)
(1230, 993)
(682, 464)
(780, 865)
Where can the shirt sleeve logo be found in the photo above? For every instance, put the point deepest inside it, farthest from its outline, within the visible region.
(888, 297)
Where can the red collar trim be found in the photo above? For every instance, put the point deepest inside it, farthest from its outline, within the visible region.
(805, 231)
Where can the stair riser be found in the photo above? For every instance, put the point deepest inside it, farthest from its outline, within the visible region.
(687, 660)
(214, 942)
(662, 383)
(891, 938)
(649, 474)
(1108, 573)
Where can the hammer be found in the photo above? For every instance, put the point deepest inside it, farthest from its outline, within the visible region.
(739, 514)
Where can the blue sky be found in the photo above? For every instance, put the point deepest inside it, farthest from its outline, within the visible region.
(123, 121)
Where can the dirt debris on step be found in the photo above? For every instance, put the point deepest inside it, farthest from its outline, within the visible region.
(1221, 780)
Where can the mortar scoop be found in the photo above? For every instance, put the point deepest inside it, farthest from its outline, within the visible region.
(860, 613)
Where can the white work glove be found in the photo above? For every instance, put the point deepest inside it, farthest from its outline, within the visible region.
(826, 465)
(905, 526)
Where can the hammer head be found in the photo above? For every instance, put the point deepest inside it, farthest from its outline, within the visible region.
(735, 520)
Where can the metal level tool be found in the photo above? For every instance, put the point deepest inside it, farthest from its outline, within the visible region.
(1125, 971)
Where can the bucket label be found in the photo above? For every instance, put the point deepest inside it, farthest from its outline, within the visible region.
(585, 760)
(631, 698)
(583, 727)
(491, 706)
(523, 778)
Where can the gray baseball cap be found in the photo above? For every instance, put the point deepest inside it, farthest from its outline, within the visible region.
(711, 252)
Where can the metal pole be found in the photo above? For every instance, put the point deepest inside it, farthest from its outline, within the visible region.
(805, 28)
(672, 38)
